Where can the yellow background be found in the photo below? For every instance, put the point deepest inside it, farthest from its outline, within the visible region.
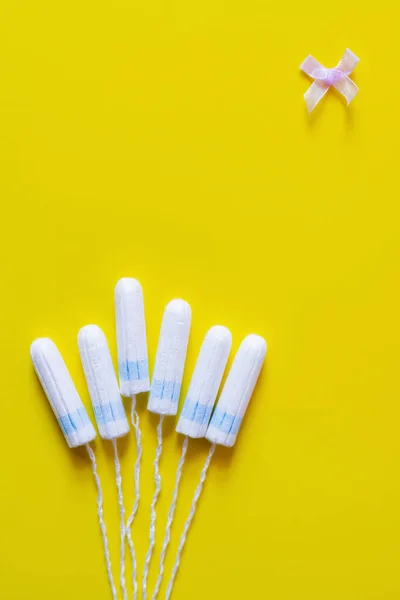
(169, 141)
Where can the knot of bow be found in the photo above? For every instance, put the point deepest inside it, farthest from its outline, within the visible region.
(324, 78)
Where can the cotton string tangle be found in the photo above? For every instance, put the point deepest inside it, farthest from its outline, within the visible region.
(133, 376)
(164, 393)
(101, 521)
(196, 497)
(138, 435)
(109, 412)
(153, 514)
(118, 479)
(227, 418)
(196, 412)
(170, 518)
(338, 77)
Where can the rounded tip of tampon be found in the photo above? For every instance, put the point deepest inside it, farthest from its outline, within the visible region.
(127, 285)
(254, 343)
(41, 345)
(219, 332)
(92, 333)
(179, 308)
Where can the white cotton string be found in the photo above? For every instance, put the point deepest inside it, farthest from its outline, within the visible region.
(118, 479)
(171, 513)
(101, 521)
(135, 423)
(157, 481)
(189, 520)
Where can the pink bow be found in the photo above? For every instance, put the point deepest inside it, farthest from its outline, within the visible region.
(338, 77)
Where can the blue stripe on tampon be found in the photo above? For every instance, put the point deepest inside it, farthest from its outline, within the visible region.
(166, 390)
(198, 413)
(225, 422)
(133, 370)
(73, 421)
(109, 413)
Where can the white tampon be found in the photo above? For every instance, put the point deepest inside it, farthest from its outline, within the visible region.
(170, 358)
(108, 409)
(164, 394)
(237, 391)
(61, 393)
(72, 417)
(102, 383)
(227, 418)
(205, 382)
(196, 412)
(133, 375)
(131, 337)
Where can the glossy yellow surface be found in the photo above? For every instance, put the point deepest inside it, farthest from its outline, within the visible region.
(169, 141)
